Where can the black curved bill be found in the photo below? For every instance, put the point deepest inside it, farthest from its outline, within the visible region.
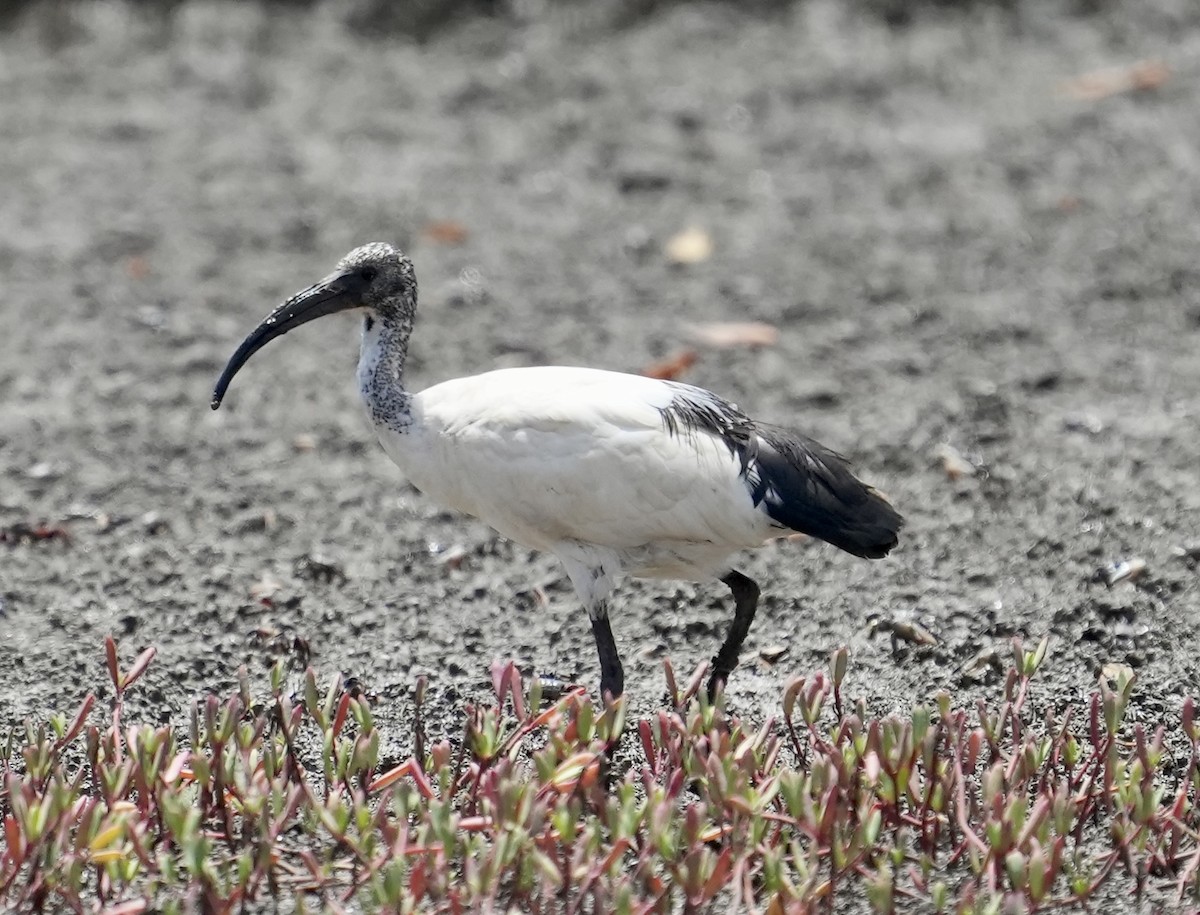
(339, 292)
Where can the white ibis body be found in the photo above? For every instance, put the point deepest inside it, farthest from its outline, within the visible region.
(613, 473)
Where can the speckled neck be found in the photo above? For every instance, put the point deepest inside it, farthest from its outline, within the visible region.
(381, 370)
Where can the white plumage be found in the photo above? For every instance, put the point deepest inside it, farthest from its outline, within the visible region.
(559, 457)
(613, 473)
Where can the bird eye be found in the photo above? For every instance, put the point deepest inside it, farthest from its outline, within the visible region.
(368, 273)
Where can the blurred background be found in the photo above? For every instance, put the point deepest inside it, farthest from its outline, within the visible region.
(956, 241)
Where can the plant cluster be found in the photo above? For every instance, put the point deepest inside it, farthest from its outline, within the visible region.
(559, 808)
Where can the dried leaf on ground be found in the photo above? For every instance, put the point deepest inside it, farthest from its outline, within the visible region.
(1124, 570)
(671, 367)
(729, 334)
(904, 630)
(691, 246)
(445, 232)
(1100, 84)
(137, 267)
(954, 463)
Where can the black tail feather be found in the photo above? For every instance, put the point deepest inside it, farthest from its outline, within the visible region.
(804, 486)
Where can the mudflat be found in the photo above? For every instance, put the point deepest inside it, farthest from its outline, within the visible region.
(983, 272)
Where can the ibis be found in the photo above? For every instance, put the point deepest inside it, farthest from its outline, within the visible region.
(612, 473)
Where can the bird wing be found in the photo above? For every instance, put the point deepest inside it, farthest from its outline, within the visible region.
(798, 482)
(552, 454)
(804, 486)
(555, 454)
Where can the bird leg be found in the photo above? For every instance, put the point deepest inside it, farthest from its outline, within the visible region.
(612, 675)
(745, 602)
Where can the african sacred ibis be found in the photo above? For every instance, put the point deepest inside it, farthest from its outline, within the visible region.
(610, 472)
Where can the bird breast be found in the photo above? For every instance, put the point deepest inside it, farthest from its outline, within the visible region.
(550, 455)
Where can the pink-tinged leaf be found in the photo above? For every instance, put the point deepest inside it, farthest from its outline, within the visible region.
(174, 772)
(716, 880)
(410, 768)
(1041, 809)
(110, 656)
(914, 874)
(389, 777)
(499, 683)
(872, 767)
(1188, 874)
(139, 667)
(672, 688)
(974, 745)
(80, 720)
(132, 907)
(314, 868)
(417, 881)
(137, 834)
(1180, 805)
(791, 692)
(647, 737)
(295, 796)
(693, 687)
(960, 808)
(413, 850)
(544, 716)
(81, 808)
(515, 690)
(619, 848)
(13, 840)
(572, 771)
(739, 805)
(339, 717)
(829, 806)
(676, 782)
(475, 824)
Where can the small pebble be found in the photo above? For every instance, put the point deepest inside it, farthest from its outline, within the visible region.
(1117, 572)
(453, 556)
(41, 470)
(954, 464)
(1087, 423)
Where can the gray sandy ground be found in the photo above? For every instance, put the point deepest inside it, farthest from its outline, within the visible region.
(955, 251)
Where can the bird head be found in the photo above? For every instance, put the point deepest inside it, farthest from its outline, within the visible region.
(376, 279)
